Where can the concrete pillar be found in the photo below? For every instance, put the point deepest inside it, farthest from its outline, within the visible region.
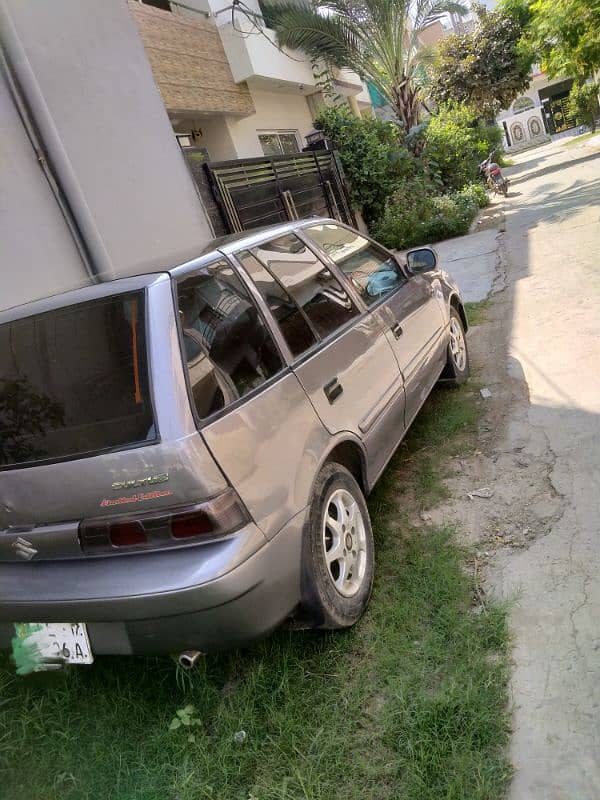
(354, 107)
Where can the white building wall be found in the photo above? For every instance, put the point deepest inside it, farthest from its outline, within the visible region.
(216, 138)
(525, 128)
(274, 111)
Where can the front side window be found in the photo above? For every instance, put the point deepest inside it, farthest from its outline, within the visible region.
(74, 381)
(322, 299)
(373, 272)
(228, 349)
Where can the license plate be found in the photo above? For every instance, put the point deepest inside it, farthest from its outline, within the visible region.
(52, 642)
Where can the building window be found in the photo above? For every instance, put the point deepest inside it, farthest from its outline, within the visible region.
(279, 143)
(162, 4)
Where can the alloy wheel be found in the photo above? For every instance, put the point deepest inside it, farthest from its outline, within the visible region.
(458, 347)
(344, 542)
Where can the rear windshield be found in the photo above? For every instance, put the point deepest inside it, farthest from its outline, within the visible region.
(74, 381)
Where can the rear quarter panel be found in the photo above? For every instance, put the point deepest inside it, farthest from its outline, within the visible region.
(270, 449)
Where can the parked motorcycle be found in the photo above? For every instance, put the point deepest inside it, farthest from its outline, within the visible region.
(494, 179)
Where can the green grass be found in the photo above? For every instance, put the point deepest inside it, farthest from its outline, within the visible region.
(411, 704)
(477, 312)
(580, 139)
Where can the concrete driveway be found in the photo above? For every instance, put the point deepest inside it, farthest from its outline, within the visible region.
(552, 245)
(472, 261)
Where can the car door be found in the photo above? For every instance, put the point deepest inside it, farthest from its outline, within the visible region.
(407, 306)
(249, 406)
(340, 353)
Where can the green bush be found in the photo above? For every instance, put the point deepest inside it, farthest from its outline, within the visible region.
(408, 199)
(372, 154)
(583, 104)
(414, 216)
(455, 143)
(476, 192)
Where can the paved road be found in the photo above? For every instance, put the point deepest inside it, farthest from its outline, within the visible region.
(553, 248)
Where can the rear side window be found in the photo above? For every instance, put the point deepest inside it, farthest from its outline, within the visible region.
(74, 381)
(373, 272)
(324, 302)
(227, 347)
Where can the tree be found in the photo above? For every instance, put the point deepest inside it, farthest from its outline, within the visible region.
(486, 68)
(378, 39)
(566, 36)
(456, 142)
(373, 156)
(583, 103)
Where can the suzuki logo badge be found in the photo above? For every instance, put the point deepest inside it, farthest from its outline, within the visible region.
(24, 549)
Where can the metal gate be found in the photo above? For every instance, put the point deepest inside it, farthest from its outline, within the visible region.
(561, 114)
(262, 191)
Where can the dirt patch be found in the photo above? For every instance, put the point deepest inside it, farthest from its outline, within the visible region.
(501, 496)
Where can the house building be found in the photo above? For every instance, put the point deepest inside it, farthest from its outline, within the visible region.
(227, 86)
(539, 114)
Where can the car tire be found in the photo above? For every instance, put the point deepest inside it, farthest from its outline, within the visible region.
(338, 552)
(456, 370)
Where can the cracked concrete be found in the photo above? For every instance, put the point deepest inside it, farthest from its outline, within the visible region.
(538, 537)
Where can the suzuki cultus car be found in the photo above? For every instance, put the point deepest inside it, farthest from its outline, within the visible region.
(185, 455)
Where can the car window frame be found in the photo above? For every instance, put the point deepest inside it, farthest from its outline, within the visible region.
(321, 341)
(291, 357)
(330, 262)
(203, 422)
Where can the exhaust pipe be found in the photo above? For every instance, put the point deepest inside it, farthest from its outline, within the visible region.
(188, 659)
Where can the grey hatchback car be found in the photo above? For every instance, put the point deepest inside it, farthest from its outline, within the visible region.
(185, 455)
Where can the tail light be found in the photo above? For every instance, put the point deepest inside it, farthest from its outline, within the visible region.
(163, 528)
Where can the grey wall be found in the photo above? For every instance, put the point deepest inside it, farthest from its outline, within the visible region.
(85, 60)
(37, 254)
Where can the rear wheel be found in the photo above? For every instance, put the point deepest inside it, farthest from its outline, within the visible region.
(338, 552)
(457, 364)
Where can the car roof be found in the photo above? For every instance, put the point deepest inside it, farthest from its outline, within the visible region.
(233, 242)
(82, 294)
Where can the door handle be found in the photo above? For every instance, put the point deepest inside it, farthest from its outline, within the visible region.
(397, 330)
(333, 390)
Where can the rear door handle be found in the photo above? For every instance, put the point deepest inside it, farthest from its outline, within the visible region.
(333, 390)
(397, 330)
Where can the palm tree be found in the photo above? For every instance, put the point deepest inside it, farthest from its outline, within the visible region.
(378, 39)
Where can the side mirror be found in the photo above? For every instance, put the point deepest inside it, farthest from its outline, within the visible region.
(423, 259)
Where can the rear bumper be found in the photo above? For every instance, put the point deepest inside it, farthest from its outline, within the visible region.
(244, 604)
